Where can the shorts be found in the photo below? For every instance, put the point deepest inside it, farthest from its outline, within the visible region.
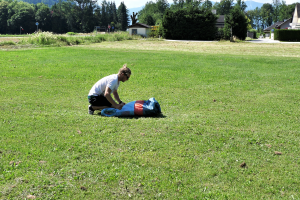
(99, 101)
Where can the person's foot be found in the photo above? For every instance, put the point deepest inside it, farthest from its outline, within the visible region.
(91, 110)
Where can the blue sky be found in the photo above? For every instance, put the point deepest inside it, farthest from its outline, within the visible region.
(140, 3)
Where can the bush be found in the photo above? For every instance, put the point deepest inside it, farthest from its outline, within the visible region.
(287, 35)
(71, 33)
(7, 43)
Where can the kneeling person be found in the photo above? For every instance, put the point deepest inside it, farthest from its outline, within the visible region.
(100, 95)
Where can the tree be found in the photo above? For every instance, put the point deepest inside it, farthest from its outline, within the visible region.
(276, 10)
(286, 11)
(22, 15)
(104, 14)
(207, 5)
(242, 5)
(224, 7)
(123, 17)
(237, 22)
(266, 15)
(3, 17)
(84, 14)
(152, 13)
(58, 19)
(43, 17)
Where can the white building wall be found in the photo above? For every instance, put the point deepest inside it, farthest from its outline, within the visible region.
(284, 26)
(140, 31)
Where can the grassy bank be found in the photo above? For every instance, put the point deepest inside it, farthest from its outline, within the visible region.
(69, 39)
(229, 128)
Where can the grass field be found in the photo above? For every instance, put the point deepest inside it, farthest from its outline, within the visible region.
(229, 129)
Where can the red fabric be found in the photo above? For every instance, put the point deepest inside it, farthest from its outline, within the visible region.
(138, 107)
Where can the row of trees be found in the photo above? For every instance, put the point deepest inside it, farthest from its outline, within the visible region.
(259, 18)
(62, 17)
(269, 13)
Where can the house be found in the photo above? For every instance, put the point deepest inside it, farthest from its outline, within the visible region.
(139, 29)
(220, 21)
(278, 25)
(291, 23)
(296, 18)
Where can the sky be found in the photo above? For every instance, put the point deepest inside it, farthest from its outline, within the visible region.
(139, 3)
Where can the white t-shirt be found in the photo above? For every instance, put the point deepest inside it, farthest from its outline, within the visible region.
(110, 81)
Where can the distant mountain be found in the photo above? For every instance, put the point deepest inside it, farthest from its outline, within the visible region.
(251, 5)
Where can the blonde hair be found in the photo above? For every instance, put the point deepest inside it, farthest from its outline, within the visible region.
(124, 70)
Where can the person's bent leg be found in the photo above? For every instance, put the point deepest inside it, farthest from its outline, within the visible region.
(98, 103)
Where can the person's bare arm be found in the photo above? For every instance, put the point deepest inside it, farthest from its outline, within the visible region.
(110, 99)
(116, 95)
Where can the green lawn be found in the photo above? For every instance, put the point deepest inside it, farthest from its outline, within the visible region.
(219, 111)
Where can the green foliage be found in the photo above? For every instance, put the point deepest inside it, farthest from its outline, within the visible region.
(185, 4)
(71, 33)
(236, 21)
(47, 38)
(123, 16)
(189, 24)
(152, 13)
(62, 17)
(286, 11)
(43, 17)
(7, 43)
(266, 15)
(287, 35)
(21, 14)
(223, 7)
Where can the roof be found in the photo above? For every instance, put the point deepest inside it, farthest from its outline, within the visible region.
(139, 25)
(277, 24)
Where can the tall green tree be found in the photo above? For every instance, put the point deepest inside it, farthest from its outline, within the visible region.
(242, 5)
(104, 14)
(123, 17)
(207, 5)
(22, 15)
(84, 14)
(3, 17)
(224, 7)
(152, 13)
(286, 11)
(236, 22)
(266, 15)
(58, 18)
(276, 10)
(43, 17)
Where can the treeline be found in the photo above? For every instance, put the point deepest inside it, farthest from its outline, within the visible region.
(259, 18)
(193, 21)
(64, 16)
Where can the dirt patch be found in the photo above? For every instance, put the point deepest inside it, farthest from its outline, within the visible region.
(12, 39)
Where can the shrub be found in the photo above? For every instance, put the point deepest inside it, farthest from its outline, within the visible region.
(7, 43)
(71, 33)
(287, 35)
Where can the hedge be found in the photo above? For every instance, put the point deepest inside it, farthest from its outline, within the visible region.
(189, 24)
(287, 34)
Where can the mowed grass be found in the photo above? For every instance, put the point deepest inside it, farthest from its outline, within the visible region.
(226, 120)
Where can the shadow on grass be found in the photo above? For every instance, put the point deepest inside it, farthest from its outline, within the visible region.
(136, 117)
